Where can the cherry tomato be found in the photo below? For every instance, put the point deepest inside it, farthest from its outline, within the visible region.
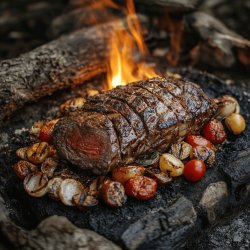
(214, 131)
(141, 188)
(197, 140)
(194, 170)
(46, 131)
(45, 137)
(123, 174)
(113, 194)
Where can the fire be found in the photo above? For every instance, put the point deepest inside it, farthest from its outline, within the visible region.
(122, 65)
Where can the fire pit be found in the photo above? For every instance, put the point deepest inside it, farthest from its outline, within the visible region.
(180, 211)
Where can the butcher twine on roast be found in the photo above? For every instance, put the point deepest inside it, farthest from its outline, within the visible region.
(118, 125)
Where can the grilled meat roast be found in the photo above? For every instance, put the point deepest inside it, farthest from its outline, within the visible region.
(117, 126)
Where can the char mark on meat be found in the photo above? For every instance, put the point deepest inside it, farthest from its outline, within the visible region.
(117, 126)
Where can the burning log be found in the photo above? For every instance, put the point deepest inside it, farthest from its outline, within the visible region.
(116, 127)
(59, 64)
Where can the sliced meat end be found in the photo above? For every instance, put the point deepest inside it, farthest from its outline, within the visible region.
(87, 146)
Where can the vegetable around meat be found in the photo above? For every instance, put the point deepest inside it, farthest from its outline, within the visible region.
(113, 194)
(181, 150)
(205, 154)
(123, 174)
(226, 106)
(160, 177)
(214, 132)
(45, 133)
(197, 140)
(141, 188)
(194, 170)
(83, 201)
(23, 168)
(35, 184)
(235, 123)
(171, 165)
(38, 152)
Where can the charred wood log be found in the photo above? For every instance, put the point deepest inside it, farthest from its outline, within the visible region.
(158, 6)
(149, 6)
(81, 18)
(163, 6)
(234, 14)
(171, 224)
(59, 64)
(217, 45)
(238, 171)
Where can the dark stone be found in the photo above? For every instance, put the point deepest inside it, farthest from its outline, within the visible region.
(55, 232)
(58, 233)
(212, 198)
(173, 224)
(244, 192)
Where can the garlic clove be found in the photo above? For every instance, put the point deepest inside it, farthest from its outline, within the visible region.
(68, 189)
(35, 184)
(53, 188)
(172, 165)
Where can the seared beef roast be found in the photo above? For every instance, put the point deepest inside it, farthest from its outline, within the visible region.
(117, 126)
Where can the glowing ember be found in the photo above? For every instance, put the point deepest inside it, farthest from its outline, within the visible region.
(122, 67)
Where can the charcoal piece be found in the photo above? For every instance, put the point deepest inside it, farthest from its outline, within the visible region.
(238, 171)
(172, 224)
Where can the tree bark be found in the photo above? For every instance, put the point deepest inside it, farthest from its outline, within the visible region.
(59, 64)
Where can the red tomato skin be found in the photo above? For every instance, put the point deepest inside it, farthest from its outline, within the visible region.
(214, 132)
(197, 140)
(194, 170)
(141, 188)
(46, 137)
(47, 130)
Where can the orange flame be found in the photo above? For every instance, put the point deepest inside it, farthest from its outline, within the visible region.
(122, 67)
